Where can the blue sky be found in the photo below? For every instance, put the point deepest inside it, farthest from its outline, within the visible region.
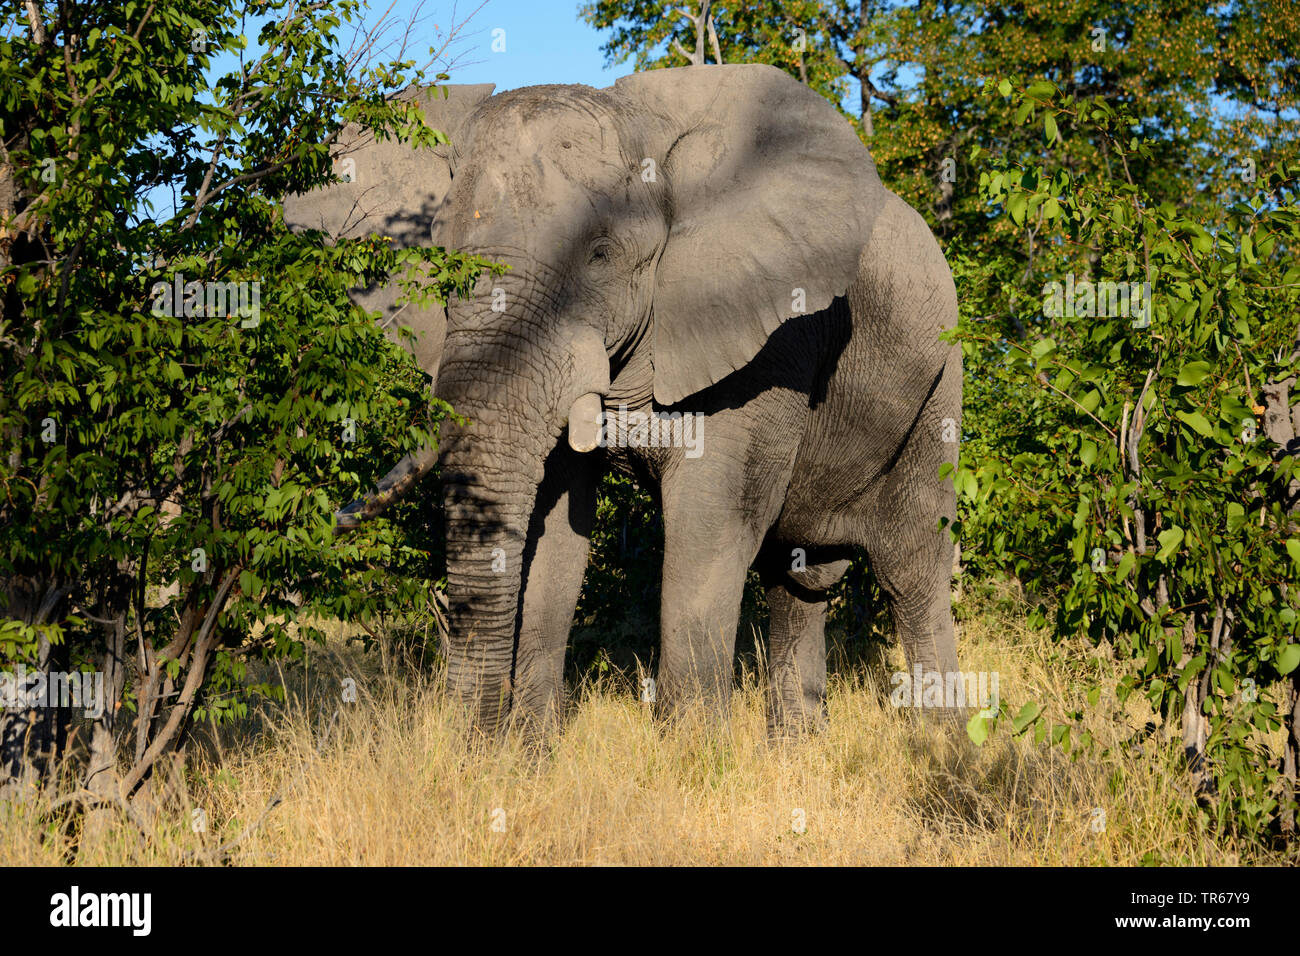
(536, 41)
(545, 42)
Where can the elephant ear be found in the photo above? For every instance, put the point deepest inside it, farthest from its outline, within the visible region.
(392, 189)
(772, 197)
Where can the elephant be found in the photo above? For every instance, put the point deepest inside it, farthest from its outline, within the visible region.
(710, 290)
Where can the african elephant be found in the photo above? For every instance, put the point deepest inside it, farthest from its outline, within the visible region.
(713, 243)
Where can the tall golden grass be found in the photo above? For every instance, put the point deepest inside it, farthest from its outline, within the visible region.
(388, 781)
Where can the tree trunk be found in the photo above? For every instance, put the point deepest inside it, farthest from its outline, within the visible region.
(1291, 749)
(32, 738)
(103, 776)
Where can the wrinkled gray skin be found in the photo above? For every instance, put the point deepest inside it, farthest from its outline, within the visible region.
(823, 428)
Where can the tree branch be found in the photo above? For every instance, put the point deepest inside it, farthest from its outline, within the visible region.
(193, 680)
(36, 22)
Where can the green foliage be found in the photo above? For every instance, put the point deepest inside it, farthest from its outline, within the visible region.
(164, 427)
(1208, 84)
(617, 620)
(1135, 484)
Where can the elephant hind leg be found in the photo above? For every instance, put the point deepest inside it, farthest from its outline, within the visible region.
(911, 556)
(912, 559)
(796, 689)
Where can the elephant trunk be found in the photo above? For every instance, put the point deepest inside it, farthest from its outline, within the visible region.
(492, 467)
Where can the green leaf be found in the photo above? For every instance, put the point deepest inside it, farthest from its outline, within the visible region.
(977, 729)
(1016, 206)
(1288, 659)
(1049, 128)
(1027, 715)
(1169, 540)
(1236, 515)
(1125, 565)
(1193, 373)
(967, 485)
(1198, 422)
(1293, 549)
(1043, 347)
(1088, 453)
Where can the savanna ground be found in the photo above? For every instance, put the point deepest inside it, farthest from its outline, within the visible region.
(385, 780)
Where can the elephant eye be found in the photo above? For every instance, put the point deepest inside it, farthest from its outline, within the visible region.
(602, 251)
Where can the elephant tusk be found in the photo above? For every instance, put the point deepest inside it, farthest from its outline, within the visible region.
(585, 422)
(406, 474)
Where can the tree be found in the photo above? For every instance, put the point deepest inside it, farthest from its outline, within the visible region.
(189, 394)
(1151, 504)
(799, 37)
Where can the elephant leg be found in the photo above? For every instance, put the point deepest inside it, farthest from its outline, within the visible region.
(718, 509)
(710, 540)
(796, 690)
(910, 555)
(706, 560)
(699, 609)
(920, 599)
(555, 560)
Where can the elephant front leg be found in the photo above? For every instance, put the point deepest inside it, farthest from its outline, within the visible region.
(555, 560)
(717, 510)
(706, 559)
(698, 637)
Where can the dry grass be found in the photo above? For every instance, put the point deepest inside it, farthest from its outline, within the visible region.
(391, 784)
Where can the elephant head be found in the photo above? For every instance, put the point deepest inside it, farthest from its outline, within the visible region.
(669, 223)
(391, 190)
